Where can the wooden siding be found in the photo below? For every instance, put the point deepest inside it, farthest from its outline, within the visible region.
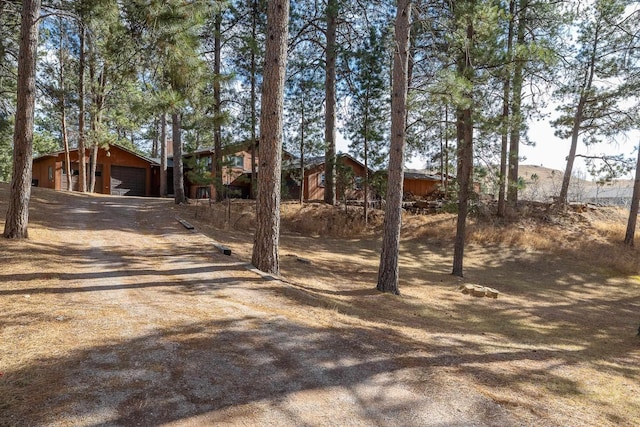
(420, 187)
(114, 156)
(314, 189)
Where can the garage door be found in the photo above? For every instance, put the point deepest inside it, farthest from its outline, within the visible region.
(127, 181)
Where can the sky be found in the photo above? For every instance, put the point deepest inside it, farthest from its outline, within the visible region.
(551, 152)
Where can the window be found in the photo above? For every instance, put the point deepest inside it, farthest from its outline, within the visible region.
(209, 163)
(203, 193)
(359, 182)
(50, 173)
(74, 172)
(236, 161)
(321, 180)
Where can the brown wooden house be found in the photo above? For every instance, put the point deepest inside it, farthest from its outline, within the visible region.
(314, 179)
(119, 171)
(420, 183)
(236, 170)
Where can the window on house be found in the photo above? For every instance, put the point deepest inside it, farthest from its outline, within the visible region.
(50, 173)
(359, 182)
(237, 161)
(321, 180)
(203, 193)
(209, 163)
(74, 172)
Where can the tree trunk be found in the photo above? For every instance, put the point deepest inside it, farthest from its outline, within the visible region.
(155, 144)
(516, 111)
(17, 219)
(63, 112)
(163, 155)
(446, 151)
(302, 124)
(217, 106)
(330, 103)
(97, 97)
(366, 164)
(178, 168)
(505, 116)
(633, 212)
(82, 171)
(254, 120)
(464, 131)
(266, 240)
(388, 272)
(577, 122)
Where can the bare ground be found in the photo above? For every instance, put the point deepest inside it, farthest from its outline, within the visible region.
(113, 314)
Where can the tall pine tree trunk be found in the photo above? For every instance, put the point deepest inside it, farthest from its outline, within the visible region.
(155, 143)
(163, 154)
(366, 176)
(17, 219)
(98, 96)
(178, 167)
(217, 106)
(506, 95)
(388, 272)
(63, 111)
(577, 121)
(265, 245)
(254, 118)
(302, 126)
(464, 132)
(635, 203)
(516, 110)
(82, 171)
(330, 103)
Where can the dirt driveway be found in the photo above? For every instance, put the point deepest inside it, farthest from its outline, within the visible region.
(113, 314)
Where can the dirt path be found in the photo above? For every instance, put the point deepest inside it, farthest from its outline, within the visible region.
(114, 315)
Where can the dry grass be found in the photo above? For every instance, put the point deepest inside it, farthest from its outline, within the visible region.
(596, 234)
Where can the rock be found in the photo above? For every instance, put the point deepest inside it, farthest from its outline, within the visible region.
(491, 293)
(479, 291)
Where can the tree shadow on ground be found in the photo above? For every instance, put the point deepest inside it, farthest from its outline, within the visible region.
(267, 364)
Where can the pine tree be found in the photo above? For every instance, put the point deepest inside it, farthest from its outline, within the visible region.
(464, 12)
(635, 203)
(303, 107)
(331, 53)
(17, 219)
(388, 272)
(595, 88)
(368, 111)
(265, 247)
(9, 32)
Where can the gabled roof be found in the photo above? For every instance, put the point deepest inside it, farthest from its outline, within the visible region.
(227, 150)
(147, 159)
(421, 174)
(312, 162)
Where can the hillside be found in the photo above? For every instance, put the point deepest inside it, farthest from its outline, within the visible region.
(543, 184)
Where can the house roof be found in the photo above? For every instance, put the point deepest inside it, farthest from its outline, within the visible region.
(421, 174)
(227, 150)
(147, 159)
(319, 160)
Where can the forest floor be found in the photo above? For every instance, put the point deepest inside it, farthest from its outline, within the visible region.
(113, 314)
